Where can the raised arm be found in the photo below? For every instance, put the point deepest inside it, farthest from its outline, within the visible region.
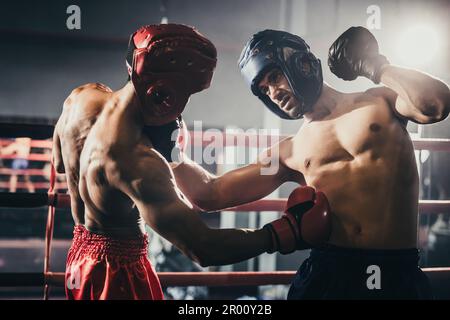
(239, 186)
(420, 97)
(415, 95)
(151, 185)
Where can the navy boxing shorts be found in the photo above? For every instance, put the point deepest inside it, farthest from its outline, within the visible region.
(333, 272)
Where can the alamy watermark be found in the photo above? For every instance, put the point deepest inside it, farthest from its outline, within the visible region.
(73, 21)
(374, 280)
(374, 19)
(233, 147)
(73, 279)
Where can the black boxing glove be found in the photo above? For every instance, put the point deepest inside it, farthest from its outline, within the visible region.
(305, 224)
(355, 53)
(167, 139)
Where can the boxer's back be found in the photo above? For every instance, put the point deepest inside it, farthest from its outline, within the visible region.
(79, 114)
(108, 150)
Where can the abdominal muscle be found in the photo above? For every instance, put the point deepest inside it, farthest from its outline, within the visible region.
(371, 207)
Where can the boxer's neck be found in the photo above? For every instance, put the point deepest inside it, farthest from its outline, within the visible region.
(127, 112)
(130, 104)
(325, 105)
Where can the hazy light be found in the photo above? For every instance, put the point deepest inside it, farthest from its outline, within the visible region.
(418, 45)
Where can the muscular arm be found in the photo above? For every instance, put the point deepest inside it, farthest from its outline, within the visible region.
(239, 186)
(150, 184)
(420, 97)
(56, 152)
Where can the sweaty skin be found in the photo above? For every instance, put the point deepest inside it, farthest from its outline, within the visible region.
(353, 147)
(79, 114)
(112, 170)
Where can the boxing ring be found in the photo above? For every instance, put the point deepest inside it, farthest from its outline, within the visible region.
(54, 199)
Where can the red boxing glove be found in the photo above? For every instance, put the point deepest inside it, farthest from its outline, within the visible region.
(305, 224)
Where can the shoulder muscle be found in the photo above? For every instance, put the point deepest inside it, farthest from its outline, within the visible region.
(390, 97)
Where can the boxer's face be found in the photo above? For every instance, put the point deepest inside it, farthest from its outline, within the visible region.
(277, 88)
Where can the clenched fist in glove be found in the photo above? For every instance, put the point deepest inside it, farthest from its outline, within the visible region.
(305, 224)
(355, 53)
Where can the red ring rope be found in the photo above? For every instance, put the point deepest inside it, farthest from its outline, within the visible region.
(49, 227)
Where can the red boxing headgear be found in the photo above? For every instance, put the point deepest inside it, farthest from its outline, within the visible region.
(167, 63)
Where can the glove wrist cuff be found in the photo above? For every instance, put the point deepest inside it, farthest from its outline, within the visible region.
(379, 63)
(273, 238)
(284, 234)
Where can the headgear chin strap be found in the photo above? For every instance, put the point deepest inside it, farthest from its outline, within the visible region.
(270, 49)
(167, 63)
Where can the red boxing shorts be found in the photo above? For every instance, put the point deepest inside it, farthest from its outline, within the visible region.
(102, 268)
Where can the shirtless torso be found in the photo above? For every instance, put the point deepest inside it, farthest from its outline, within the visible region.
(353, 147)
(118, 181)
(362, 157)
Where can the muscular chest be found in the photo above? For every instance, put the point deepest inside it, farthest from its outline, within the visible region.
(340, 139)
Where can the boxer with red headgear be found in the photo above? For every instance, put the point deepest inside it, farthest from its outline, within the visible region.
(167, 64)
(102, 142)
